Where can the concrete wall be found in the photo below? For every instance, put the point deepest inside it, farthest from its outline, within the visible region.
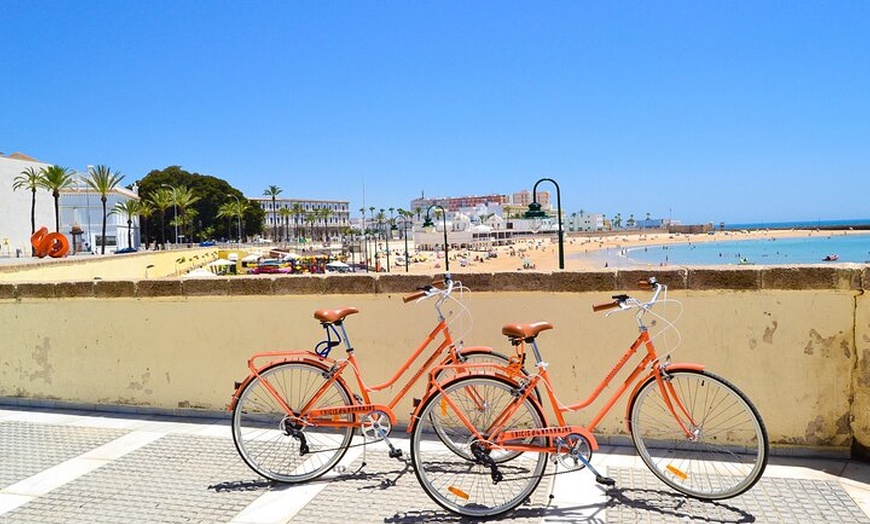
(795, 340)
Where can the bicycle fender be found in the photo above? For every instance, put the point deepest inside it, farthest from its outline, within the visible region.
(241, 385)
(469, 349)
(679, 366)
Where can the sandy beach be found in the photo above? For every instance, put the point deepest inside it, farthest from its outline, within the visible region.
(589, 252)
(583, 252)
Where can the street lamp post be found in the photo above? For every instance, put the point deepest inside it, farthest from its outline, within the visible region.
(239, 209)
(387, 234)
(536, 212)
(174, 209)
(428, 223)
(404, 221)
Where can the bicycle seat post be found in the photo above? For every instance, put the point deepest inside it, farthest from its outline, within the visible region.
(347, 346)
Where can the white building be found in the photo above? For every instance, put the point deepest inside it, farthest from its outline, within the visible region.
(79, 206)
(583, 221)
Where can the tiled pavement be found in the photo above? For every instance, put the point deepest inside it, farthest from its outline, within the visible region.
(81, 467)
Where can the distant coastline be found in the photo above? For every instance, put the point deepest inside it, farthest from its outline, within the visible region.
(827, 225)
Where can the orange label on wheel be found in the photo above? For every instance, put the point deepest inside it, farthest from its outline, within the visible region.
(458, 492)
(677, 472)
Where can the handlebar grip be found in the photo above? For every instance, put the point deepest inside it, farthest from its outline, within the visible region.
(414, 296)
(645, 284)
(607, 305)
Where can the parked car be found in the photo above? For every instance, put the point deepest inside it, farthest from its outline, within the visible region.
(126, 250)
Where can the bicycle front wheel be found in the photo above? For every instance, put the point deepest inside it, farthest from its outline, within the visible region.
(725, 450)
(276, 444)
(472, 481)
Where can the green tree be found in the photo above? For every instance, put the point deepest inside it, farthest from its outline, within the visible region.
(56, 179)
(285, 214)
(233, 209)
(162, 200)
(184, 199)
(273, 191)
(103, 180)
(30, 179)
(145, 210)
(128, 208)
(212, 193)
(298, 211)
(324, 213)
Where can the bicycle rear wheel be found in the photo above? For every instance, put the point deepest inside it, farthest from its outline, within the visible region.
(472, 481)
(278, 446)
(726, 452)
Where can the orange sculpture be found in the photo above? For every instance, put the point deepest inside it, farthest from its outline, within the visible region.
(44, 243)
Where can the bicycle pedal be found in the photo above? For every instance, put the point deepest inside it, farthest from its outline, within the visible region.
(396, 453)
(607, 481)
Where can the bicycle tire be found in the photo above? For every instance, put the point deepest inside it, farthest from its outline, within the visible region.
(476, 357)
(260, 424)
(467, 486)
(729, 451)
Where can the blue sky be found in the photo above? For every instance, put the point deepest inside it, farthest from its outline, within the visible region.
(704, 111)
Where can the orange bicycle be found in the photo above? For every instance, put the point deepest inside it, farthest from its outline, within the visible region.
(294, 416)
(695, 431)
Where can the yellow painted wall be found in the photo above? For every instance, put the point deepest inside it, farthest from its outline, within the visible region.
(800, 355)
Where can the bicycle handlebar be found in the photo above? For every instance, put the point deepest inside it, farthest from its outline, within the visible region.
(436, 287)
(607, 305)
(620, 301)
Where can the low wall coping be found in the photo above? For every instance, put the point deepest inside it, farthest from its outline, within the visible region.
(851, 277)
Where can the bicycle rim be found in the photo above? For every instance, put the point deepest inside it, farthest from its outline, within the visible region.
(466, 485)
(445, 375)
(728, 451)
(270, 443)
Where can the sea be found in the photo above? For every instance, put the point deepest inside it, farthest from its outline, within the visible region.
(821, 241)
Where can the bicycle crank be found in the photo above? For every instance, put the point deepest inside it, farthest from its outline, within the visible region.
(573, 451)
(377, 426)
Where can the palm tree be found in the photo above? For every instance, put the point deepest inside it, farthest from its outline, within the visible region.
(617, 220)
(285, 213)
(298, 211)
(311, 218)
(231, 209)
(273, 191)
(128, 208)
(145, 209)
(162, 200)
(228, 210)
(31, 180)
(381, 218)
(184, 198)
(324, 213)
(55, 179)
(102, 180)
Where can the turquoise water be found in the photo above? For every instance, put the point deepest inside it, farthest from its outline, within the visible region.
(802, 250)
(810, 248)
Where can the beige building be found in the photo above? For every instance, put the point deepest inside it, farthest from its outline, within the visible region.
(296, 217)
